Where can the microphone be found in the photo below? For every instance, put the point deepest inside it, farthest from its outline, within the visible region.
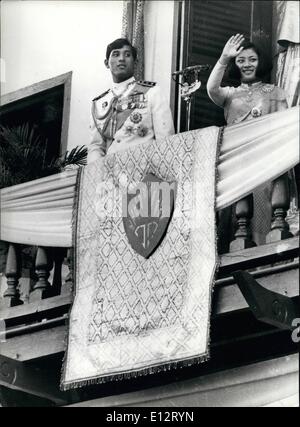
(193, 68)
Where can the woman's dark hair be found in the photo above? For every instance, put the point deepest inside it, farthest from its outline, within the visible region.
(264, 63)
(118, 44)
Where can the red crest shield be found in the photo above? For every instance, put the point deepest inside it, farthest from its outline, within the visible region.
(148, 210)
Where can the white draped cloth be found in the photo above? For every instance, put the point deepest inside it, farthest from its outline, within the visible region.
(287, 35)
(286, 22)
(39, 212)
(252, 153)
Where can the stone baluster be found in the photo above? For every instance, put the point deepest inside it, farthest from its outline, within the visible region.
(68, 285)
(244, 213)
(43, 265)
(11, 296)
(58, 258)
(280, 201)
(3, 255)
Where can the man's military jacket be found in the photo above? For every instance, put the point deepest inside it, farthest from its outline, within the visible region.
(127, 114)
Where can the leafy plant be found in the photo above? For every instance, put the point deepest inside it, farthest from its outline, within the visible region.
(76, 157)
(23, 156)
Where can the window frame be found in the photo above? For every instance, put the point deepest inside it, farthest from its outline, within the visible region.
(62, 79)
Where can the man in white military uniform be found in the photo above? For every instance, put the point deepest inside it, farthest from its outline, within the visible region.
(130, 112)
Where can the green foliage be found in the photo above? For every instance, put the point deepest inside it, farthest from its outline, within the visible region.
(77, 156)
(23, 156)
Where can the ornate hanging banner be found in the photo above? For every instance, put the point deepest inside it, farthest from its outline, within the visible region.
(145, 260)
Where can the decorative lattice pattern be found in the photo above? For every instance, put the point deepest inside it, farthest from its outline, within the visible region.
(132, 313)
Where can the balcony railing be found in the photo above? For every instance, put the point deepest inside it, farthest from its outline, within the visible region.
(280, 228)
(36, 286)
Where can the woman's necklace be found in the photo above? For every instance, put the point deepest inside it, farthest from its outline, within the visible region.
(250, 88)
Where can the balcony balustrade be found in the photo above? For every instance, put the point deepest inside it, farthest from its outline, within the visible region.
(36, 286)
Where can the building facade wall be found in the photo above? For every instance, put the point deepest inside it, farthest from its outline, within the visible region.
(43, 39)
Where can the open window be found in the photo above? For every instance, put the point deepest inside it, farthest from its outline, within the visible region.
(205, 26)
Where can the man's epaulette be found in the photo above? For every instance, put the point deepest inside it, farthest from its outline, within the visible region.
(100, 96)
(146, 83)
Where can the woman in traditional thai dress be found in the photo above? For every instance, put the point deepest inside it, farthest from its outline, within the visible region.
(251, 99)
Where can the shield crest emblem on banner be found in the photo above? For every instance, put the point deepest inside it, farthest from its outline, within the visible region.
(147, 212)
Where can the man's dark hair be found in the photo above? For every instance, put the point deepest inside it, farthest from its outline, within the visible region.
(264, 63)
(118, 44)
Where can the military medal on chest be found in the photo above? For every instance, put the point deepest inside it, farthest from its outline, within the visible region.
(134, 102)
(136, 117)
